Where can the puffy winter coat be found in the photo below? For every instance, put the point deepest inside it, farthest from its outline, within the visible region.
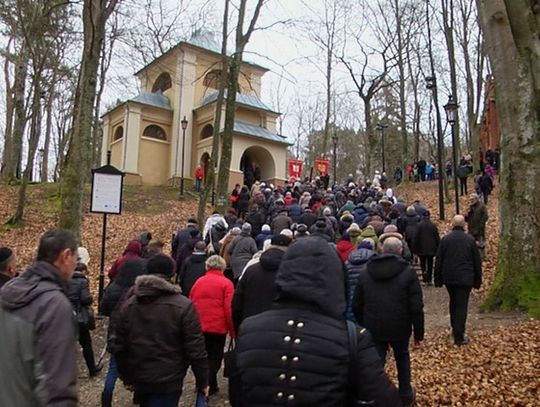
(360, 214)
(297, 353)
(212, 297)
(355, 265)
(280, 222)
(295, 212)
(407, 227)
(158, 338)
(458, 261)
(80, 297)
(261, 237)
(388, 299)
(255, 290)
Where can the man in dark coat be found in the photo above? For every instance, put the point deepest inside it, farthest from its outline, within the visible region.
(156, 364)
(485, 183)
(407, 226)
(459, 268)
(280, 222)
(462, 172)
(295, 211)
(242, 249)
(182, 236)
(426, 242)
(388, 302)
(192, 269)
(477, 217)
(255, 290)
(308, 218)
(298, 351)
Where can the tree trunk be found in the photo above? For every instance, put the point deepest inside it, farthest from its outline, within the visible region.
(210, 178)
(371, 140)
(95, 15)
(48, 128)
(11, 168)
(402, 106)
(512, 36)
(10, 107)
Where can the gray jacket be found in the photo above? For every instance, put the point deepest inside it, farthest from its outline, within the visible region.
(242, 249)
(37, 344)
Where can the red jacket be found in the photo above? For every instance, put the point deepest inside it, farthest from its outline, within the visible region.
(133, 250)
(212, 297)
(344, 248)
(199, 173)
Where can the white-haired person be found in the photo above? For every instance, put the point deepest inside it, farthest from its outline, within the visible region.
(212, 296)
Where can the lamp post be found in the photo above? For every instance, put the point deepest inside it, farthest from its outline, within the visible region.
(451, 109)
(335, 140)
(431, 84)
(381, 128)
(184, 124)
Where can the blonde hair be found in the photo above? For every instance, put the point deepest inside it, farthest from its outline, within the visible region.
(215, 262)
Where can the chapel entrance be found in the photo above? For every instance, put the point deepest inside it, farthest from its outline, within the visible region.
(257, 164)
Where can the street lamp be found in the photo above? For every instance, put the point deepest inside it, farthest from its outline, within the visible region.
(381, 128)
(431, 84)
(451, 109)
(335, 140)
(184, 124)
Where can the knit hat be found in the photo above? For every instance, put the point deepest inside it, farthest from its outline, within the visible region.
(266, 228)
(160, 264)
(5, 253)
(320, 224)
(235, 230)
(287, 232)
(390, 229)
(367, 243)
(84, 256)
(327, 211)
(301, 228)
(246, 228)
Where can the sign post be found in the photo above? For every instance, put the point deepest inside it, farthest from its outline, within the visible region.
(107, 186)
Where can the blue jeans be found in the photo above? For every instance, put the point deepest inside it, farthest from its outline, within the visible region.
(403, 363)
(110, 381)
(160, 400)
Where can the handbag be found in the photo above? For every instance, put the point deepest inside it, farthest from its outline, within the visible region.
(229, 360)
(210, 250)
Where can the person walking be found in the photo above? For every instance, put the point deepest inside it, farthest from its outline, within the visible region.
(37, 344)
(298, 352)
(425, 244)
(388, 302)
(192, 269)
(476, 218)
(459, 268)
(158, 336)
(242, 249)
(212, 297)
(81, 300)
(462, 173)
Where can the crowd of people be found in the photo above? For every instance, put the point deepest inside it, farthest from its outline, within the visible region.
(312, 285)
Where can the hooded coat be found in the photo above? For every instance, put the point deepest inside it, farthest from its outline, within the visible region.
(158, 337)
(192, 269)
(133, 250)
(388, 299)
(298, 351)
(37, 341)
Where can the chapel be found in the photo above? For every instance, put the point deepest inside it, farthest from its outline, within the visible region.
(145, 133)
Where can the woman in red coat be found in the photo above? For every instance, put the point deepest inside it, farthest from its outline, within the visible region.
(212, 297)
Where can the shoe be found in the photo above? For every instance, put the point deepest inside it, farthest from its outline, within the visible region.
(463, 342)
(95, 371)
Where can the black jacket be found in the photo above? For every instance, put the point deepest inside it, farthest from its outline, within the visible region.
(80, 297)
(158, 337)
(192, 269)
(407, 226)
(388, 299)
(297, 353)
(308, 219)
(354, 267)
(426, 239)
(255, 291)
(458, 261)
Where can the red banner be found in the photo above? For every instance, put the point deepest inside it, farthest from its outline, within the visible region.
(295, 168)
(322, 166)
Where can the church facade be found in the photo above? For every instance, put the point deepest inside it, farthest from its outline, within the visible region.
(145, 133)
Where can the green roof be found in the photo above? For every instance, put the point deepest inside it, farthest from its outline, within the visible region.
(241, 99)
(253, 130)
(156, 99)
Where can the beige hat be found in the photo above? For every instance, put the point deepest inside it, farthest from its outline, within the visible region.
(84, 256)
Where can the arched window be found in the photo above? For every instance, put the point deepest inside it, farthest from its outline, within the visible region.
(154, 131)
(162, 83)
(212, 78)
(118, 133)
(207, 131)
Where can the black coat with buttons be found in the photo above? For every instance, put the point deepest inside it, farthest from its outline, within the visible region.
(297, 353)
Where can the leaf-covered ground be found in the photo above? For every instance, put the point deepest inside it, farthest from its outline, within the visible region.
(501, 367)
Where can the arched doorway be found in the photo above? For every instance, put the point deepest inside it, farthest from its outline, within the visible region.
(257, 164)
